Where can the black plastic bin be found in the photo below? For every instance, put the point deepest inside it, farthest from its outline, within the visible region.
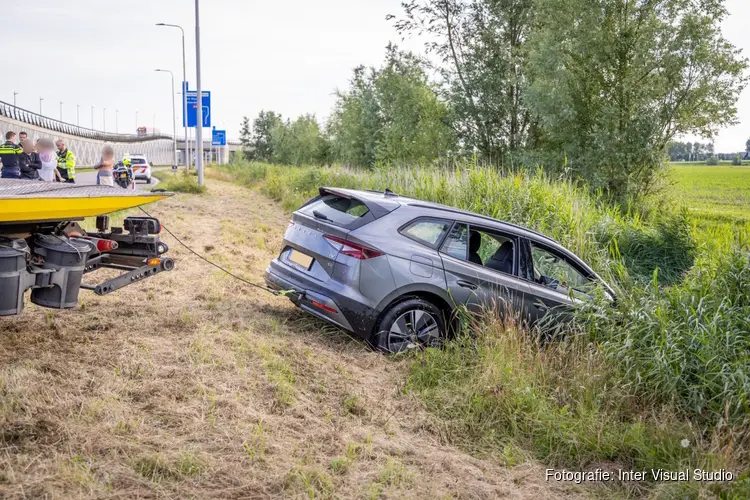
(12, 269)
(68, 258)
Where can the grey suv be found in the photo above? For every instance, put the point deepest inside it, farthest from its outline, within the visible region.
(393, 269)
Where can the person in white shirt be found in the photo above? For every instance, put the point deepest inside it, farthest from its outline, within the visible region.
(48, 155)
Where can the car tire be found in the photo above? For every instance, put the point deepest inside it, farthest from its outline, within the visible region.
(396, 333)
(148, 181)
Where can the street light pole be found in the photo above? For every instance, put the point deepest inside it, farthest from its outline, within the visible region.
(184, 94)
(40, 104)
(199, 95)
(14, 98)
(174, 118)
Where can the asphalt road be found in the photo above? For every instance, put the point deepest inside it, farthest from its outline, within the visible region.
(89, 177)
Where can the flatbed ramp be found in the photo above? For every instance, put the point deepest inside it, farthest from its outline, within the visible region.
(37, 201)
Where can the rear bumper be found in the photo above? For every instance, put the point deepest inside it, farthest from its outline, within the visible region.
(349, 315)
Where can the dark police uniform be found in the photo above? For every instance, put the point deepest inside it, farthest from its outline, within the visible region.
(9, 155)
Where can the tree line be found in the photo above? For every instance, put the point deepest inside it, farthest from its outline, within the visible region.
(595, 90)
(696, 151)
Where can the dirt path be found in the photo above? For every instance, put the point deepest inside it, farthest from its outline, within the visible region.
(191, 385)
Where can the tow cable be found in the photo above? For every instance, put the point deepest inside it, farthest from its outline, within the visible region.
(278, 293)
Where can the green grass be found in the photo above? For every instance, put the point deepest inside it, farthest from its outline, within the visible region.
(629, 384)
(182, 182)
(714, 194)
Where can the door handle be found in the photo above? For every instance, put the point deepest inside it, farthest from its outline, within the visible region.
(467, 284)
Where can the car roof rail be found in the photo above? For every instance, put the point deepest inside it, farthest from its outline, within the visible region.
(387, 192)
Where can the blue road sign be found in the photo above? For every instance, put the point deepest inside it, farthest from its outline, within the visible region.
(192, 103)
(218, 137)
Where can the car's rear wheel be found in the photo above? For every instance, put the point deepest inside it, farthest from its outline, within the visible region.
(412, 324)
(148, 180)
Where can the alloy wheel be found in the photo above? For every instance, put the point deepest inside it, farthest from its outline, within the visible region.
(412, 330)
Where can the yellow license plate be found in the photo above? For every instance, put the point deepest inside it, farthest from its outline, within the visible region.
(301, 259)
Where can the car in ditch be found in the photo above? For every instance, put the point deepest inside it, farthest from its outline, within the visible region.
(394, 270)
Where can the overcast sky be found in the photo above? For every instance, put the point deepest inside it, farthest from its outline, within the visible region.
(285, 55)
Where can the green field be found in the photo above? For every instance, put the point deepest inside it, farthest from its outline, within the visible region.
(714, 194)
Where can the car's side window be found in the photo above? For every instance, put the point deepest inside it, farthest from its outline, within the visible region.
(457, 243)
(483, 247)
(429, 232)
(492, 249)
(555, 272)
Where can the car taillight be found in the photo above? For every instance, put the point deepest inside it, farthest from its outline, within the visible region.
(355, 250)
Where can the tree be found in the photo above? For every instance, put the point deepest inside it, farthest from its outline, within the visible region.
(246, 138)
(391, 114)
(481, 46)
(356, 124)
(262, 142)
(614, 81)
(747, 146)
(299, 142)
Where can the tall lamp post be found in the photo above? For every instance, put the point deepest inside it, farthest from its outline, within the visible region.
(199, 95)
(184, 95)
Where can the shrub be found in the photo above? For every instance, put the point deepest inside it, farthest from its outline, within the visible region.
(712, 160)
(737, 160)
(183, 182)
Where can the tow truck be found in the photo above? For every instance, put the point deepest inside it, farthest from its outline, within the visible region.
(43, 248)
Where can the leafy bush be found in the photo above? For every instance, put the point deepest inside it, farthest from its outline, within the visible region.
(737, 160)
(183, 182)
(712, 160)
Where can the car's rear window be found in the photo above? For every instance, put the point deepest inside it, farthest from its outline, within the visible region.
(337, 209)
(138, 161)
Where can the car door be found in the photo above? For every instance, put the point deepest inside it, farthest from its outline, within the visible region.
(474, 285)
(555, 285)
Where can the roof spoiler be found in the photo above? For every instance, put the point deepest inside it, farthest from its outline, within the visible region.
(378, 208)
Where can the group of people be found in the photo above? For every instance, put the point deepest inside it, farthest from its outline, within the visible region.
(43, 160)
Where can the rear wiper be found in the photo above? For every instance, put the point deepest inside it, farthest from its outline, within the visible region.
(320, 215)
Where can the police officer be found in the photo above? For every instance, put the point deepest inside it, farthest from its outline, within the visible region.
(66, 162)
(10, 153)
